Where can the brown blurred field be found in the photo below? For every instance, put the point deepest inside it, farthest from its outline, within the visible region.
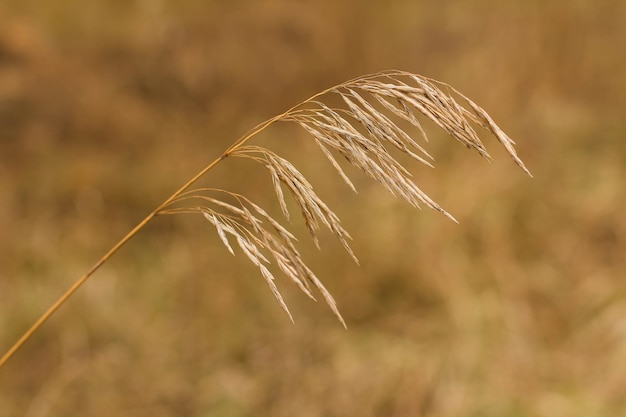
(107, 107)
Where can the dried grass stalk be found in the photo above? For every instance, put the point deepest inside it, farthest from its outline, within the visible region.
(362, 130)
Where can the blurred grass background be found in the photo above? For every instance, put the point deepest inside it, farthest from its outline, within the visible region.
(106, 107)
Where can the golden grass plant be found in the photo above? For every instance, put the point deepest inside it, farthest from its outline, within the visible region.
(363, 129)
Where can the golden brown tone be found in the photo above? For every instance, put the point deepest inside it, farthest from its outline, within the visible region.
(517, 310)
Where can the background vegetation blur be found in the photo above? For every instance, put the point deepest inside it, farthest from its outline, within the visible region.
(106, 107)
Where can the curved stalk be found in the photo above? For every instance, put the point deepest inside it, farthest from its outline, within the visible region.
(360, 132)
(61, 300)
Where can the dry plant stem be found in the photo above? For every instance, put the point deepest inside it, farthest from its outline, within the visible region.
(361, 133)
(100, 262)
(45, 316)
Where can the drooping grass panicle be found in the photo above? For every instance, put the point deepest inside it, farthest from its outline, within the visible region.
(363, 131)
(362, 127)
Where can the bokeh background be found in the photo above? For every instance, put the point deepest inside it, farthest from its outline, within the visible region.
(106, 107)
